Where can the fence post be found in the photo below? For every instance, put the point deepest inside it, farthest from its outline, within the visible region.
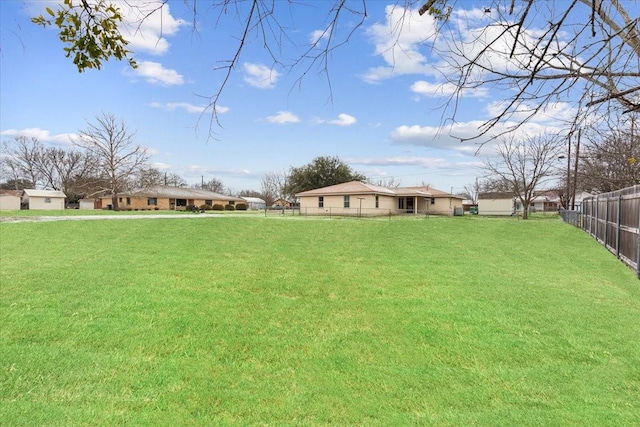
(618, 226)
(595, 226)
(638, 251)
(606, 221)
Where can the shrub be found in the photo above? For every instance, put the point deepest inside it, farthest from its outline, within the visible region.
(205, 207)
(229, 208)
(218, 207)
(241, 207)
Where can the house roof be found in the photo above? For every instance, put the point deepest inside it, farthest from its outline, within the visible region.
(44, 193)
(253, 199)
(15, 193)
(495, 195)
(178, 193)
(352, 187)
(359, 187)
(431, 192)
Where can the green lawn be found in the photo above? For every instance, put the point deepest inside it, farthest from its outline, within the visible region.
(267, 321)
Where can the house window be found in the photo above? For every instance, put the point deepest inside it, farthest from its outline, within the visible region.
(120, 199)
(401, 203)
(208, 202)
(128, 200)
(321, 202)
(377, 201)
(47, 200)
(346, 201)
(152, 201)
(232, 202)
(433, 200)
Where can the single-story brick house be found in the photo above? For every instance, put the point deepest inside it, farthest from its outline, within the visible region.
(10, 200)
(361, 198)
(161, 197)
(44, 199)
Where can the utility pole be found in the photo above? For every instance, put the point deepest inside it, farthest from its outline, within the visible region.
(575, 172)
(568, 183)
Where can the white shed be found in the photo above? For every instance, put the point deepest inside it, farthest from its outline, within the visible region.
(87, 204)
(254, 203)
(496, 204)
(10, 200)
(44, 199)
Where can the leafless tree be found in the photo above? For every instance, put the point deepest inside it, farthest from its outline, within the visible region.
(119, 159)
(214, 185)
(22, 158)
(588, 48)
(273, 185)
(471, 192)
(73, 172)
(391, 182)
(150, 176)
(610, 158)
(525, 165)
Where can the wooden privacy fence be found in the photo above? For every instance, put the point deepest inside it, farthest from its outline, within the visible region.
(613, 219)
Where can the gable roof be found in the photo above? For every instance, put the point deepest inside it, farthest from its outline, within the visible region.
(495, 195)
(430, 192)
(252, 199)
(44, 193)
(14, 193)
(352, 187)
(178, 193)
(359, 187)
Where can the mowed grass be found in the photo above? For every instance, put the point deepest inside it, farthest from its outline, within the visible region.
(262, 321)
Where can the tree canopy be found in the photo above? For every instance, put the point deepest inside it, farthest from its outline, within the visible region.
(323, 171)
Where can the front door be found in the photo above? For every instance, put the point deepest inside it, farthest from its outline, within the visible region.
(409, 204)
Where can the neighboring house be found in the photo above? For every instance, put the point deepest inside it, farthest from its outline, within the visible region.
(43, 199)
(544, 203)
(282, 204)
(161, 197)
(254, 203)
(495, 203)
(360, 198)
(580, 197)
(10, 200)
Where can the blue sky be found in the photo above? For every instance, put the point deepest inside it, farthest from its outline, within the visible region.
(380, 114)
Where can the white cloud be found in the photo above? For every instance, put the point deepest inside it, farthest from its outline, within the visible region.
(41, 135)
(160, 165)
(260, 76)
(450, 138)
(398, 42)
(155, 73)
(189, 108)
(342, 120)
(434, 90)
(429, 162)
(283, 117)
(147, 24)
(318, 35)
